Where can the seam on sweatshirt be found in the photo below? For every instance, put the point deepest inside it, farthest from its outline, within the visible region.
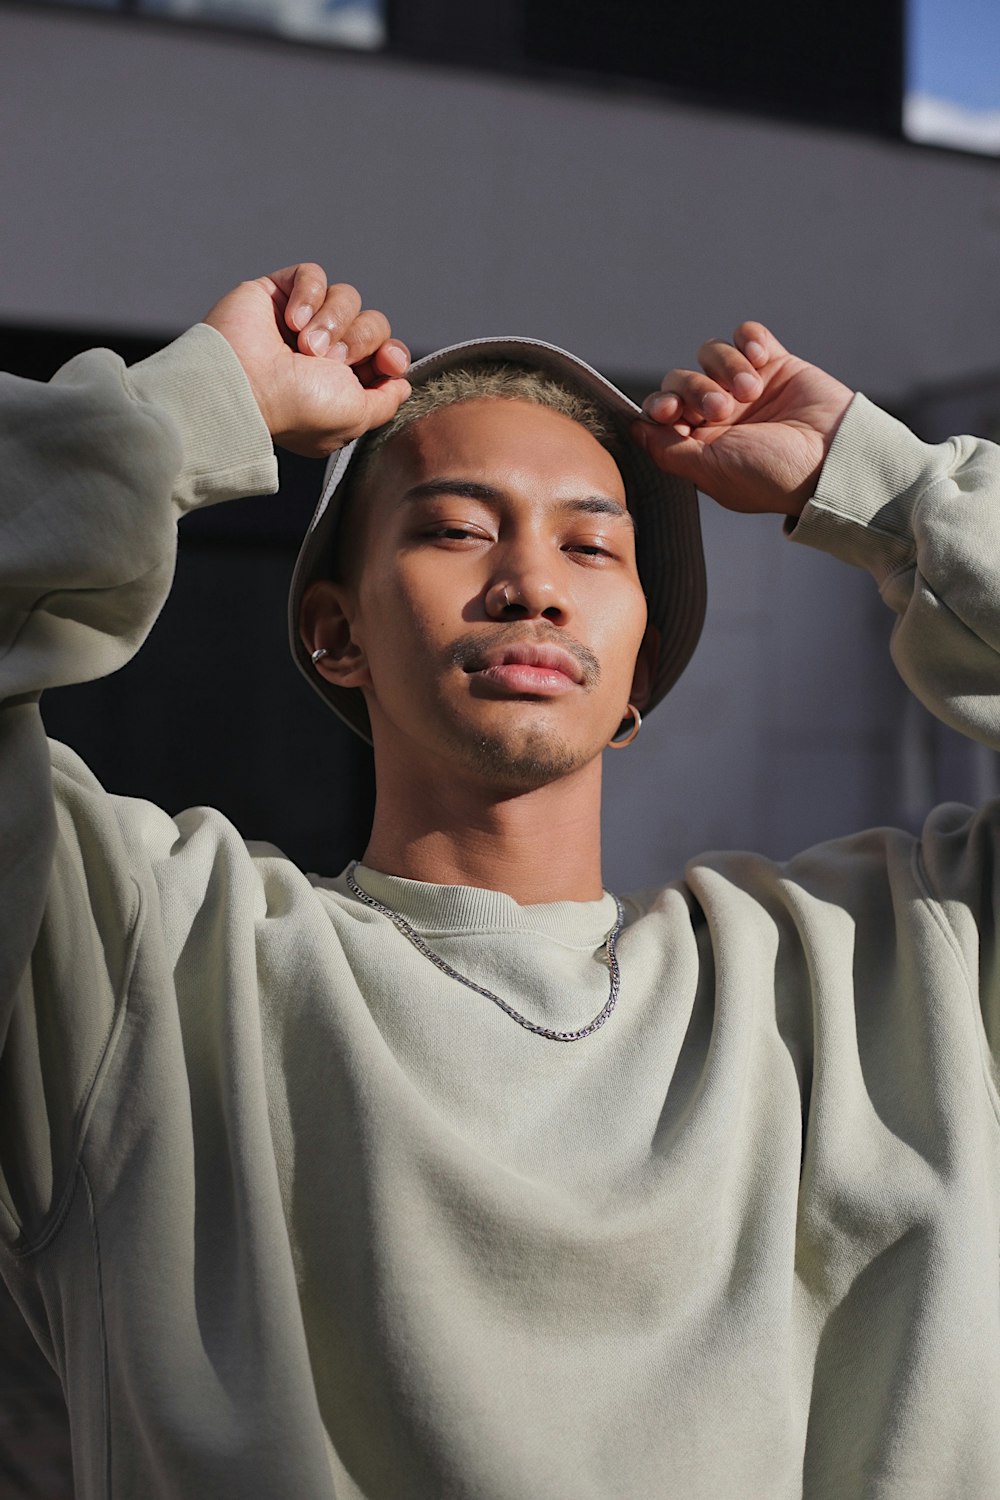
(444, 934)
(936, 910)
(102, 1326)
(827, 508)
(909, 566)
(59, 1213)
(11, 1230)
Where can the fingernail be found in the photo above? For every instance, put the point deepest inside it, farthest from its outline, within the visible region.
(318, 340)
(339, 351)
(714, 404)
(303, 314)
(755, 351)
(745, 386)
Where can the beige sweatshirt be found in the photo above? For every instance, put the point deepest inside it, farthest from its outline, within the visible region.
(296, 1216)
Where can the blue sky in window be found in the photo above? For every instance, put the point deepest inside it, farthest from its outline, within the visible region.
(953, 73)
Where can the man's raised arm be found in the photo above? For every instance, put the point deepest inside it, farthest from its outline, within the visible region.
(760, 430)
(97, 464)
(94, 469)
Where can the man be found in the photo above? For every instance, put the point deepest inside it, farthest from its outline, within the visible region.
(454, 1175)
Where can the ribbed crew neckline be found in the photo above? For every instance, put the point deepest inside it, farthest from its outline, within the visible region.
(465, 908)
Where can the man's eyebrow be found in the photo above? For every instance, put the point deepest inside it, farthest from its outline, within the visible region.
(472, 489)
(468, 489)
(599, 505)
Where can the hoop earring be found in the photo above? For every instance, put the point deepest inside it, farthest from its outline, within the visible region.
(318, 654)
(619, 744)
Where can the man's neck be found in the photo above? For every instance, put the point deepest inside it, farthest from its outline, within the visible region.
(536, 846)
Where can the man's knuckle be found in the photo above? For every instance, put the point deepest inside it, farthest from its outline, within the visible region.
(369, 329)
(345, 300)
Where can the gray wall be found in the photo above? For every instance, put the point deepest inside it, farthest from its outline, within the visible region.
(145, 169)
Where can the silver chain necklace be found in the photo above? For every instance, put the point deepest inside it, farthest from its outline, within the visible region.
(610, 943)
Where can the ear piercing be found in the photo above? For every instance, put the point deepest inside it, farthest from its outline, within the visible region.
(318, 654)
(626, 739)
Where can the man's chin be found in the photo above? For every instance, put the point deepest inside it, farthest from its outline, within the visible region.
(521, 761)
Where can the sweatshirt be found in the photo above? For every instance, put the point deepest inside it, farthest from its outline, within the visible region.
(294, 1214)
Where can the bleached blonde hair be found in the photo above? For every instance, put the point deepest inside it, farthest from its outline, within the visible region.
(485, 380)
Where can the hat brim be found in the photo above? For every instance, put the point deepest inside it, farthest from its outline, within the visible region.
(669, 554)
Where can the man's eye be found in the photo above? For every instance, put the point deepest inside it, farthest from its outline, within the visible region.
(589, 549)
(452, 533)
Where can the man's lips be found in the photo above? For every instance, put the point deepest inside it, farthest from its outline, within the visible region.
(528, 668)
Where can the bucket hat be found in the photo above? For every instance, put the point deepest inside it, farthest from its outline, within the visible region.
(669, 555)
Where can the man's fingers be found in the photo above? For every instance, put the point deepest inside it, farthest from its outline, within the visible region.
(367, 333)
(700, 398)
(302, 287)
(382, 401)
(757, 343)
(667, 408)
(662, 406)
(730, 368)
(390, 359)
(676, 450)
(732, 375)
(328, 325)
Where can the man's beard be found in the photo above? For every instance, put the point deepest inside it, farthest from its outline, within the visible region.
(521, 763)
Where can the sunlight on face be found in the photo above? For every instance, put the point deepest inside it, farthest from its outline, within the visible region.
(498, 602)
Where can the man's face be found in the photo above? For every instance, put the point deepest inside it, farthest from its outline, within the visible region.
(497, 605)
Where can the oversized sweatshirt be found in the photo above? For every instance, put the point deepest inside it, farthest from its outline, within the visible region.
(294, 1215)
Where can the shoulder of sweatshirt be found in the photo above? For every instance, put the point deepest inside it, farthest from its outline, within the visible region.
(129, 851)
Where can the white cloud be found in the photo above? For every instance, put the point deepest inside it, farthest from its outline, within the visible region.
(942, 123)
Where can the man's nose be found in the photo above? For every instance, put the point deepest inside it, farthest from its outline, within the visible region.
(525, 591)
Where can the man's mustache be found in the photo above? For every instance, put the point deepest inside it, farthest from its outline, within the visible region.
(467, 651)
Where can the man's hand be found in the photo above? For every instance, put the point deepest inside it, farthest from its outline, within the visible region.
(753, 430)
(323, 371)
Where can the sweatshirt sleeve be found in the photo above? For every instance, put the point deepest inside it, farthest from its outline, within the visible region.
(95, 468)
(924, 519)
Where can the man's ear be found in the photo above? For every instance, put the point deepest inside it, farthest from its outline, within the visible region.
(326, 620)
(645, 667)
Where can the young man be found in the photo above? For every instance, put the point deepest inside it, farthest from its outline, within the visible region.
(454, 1175)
